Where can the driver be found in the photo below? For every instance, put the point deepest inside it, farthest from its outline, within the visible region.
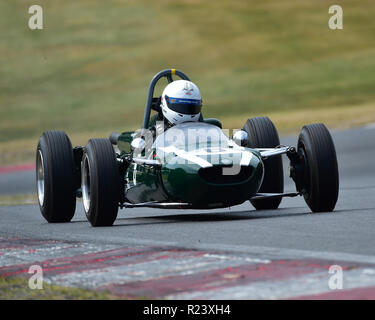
(181, 101)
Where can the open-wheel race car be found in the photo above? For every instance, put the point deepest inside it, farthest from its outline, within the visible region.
(192, 165)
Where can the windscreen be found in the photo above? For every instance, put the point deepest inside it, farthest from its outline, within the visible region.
(190, 136)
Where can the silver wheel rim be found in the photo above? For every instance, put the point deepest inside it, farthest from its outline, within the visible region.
(86, 182)
(40, 178)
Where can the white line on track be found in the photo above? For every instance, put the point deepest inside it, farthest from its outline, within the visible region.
(307, 284)
(149, 270)
(259, 252)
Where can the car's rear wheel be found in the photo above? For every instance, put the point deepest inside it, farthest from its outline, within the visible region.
(100, 182)
(262, 134)
(321, 176)
(56, 177)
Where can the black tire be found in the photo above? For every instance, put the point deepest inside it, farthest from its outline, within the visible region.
(321, 176)
(56, 177)
(100, 182)
(263, 134)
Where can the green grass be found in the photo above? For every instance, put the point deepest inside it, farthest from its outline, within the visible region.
(87, 72)
(18, 289)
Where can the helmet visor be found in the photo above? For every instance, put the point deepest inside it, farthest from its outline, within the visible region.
(184, 106)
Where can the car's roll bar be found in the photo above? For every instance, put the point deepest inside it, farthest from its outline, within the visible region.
(168, 73)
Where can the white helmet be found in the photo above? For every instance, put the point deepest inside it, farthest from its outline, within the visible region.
(181, 101)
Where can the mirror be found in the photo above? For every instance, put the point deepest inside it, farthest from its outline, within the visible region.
(138, 144)
(240, 137)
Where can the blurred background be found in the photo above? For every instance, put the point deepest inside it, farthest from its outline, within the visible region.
(88, 70)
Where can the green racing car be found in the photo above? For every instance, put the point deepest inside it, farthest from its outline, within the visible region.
(192, 165)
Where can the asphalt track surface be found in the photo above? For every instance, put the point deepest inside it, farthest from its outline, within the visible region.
(225, 238)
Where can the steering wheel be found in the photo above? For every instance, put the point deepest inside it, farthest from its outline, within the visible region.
(168, 73)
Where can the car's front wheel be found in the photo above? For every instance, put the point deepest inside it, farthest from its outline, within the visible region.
(321, 176)
(100, 182)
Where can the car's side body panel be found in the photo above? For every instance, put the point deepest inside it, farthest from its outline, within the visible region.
(143, 184)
